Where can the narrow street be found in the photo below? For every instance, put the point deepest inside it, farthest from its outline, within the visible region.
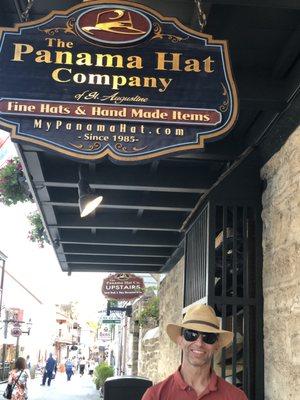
(77, 389)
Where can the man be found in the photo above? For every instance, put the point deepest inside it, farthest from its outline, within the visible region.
(69, 368)
(199, 338)
(49, 369)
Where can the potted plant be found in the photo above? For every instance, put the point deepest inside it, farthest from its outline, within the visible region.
(101, 373)
(37, 233)
(13, 186)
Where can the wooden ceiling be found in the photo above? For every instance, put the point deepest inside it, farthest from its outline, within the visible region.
(140, 225)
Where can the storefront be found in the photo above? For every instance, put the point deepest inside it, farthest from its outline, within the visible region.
(187, 207)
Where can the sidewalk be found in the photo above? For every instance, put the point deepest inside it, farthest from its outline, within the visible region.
(77, 389)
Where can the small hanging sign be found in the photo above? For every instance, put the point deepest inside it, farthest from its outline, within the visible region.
(123, 286)
(16, 331)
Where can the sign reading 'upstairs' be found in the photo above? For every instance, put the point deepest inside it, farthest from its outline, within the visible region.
(123, 286)
(114, 79)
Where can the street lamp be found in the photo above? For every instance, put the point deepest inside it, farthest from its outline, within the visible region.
(16, 331)
(88, 199)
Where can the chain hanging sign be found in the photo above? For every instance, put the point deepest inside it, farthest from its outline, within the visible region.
(123, 286)
(114, 79)
(16, 331)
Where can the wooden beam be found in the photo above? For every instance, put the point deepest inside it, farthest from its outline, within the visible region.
(159, 188)
(176, 188)
(103, 250)
(121, 238)
(291, 4)
(171, 176)
(157, 222)
(113, 268)
(174, 259)
(287, 56)
(116, 199)
(115, 260)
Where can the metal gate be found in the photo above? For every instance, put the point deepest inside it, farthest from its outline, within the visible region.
(223, 265)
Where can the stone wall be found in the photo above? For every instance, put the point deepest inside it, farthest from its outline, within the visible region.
(157, 357)
(170, 311)
(149, 354)
(144, 362)
(281, 271)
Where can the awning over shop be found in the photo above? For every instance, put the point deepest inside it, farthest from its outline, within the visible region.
(140, 224)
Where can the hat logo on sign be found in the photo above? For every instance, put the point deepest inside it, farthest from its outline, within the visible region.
(113, 26)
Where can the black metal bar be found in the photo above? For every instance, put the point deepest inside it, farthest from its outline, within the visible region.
(18, 9)
(211, 256)
(246, 367)
(174, 258)
(234, 253)
(234, 289)
(224, 350)
(224, 252)
(184, 272)
(234, 344)
(197, 250)
(234, 301)
(200, 278)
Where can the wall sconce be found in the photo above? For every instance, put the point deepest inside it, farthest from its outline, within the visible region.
(87, 199)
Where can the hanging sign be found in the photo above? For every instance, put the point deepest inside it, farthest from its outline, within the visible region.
(123, 286)
(114, 79)
(104, 333)
(108, 319)
(16, 331)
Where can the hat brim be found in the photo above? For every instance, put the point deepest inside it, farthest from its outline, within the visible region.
(174, 331)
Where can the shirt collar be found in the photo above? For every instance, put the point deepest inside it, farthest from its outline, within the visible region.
(213, 383)
(212, 386)
(179, 380)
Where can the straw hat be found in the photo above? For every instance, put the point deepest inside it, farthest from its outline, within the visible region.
(200, 318)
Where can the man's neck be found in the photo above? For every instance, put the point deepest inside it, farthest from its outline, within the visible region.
(196, 377)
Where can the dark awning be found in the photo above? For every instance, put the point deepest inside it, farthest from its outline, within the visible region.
(139, 225)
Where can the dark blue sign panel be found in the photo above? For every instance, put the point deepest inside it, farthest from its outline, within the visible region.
(114, 79)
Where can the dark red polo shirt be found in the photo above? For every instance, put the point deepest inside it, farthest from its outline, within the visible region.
(174, 388)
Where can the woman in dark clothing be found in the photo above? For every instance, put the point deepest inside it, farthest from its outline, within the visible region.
(82, 366)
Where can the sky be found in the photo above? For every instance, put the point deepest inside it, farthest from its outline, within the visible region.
(38, 269)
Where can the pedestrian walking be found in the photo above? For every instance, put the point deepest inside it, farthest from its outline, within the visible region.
(75, 364)
(69, 369)
(18, 378)
(91, 366)
(28, 363)
(82, 363)
(49, 370)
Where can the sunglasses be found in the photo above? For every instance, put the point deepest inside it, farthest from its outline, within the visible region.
(192, 336)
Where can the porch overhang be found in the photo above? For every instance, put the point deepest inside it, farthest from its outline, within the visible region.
(140, 225)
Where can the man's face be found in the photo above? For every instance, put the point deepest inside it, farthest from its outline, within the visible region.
(197, 353)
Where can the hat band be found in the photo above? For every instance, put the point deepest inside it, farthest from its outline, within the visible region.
(201, 322)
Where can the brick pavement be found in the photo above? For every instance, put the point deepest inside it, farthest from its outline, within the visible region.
(77, 389)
